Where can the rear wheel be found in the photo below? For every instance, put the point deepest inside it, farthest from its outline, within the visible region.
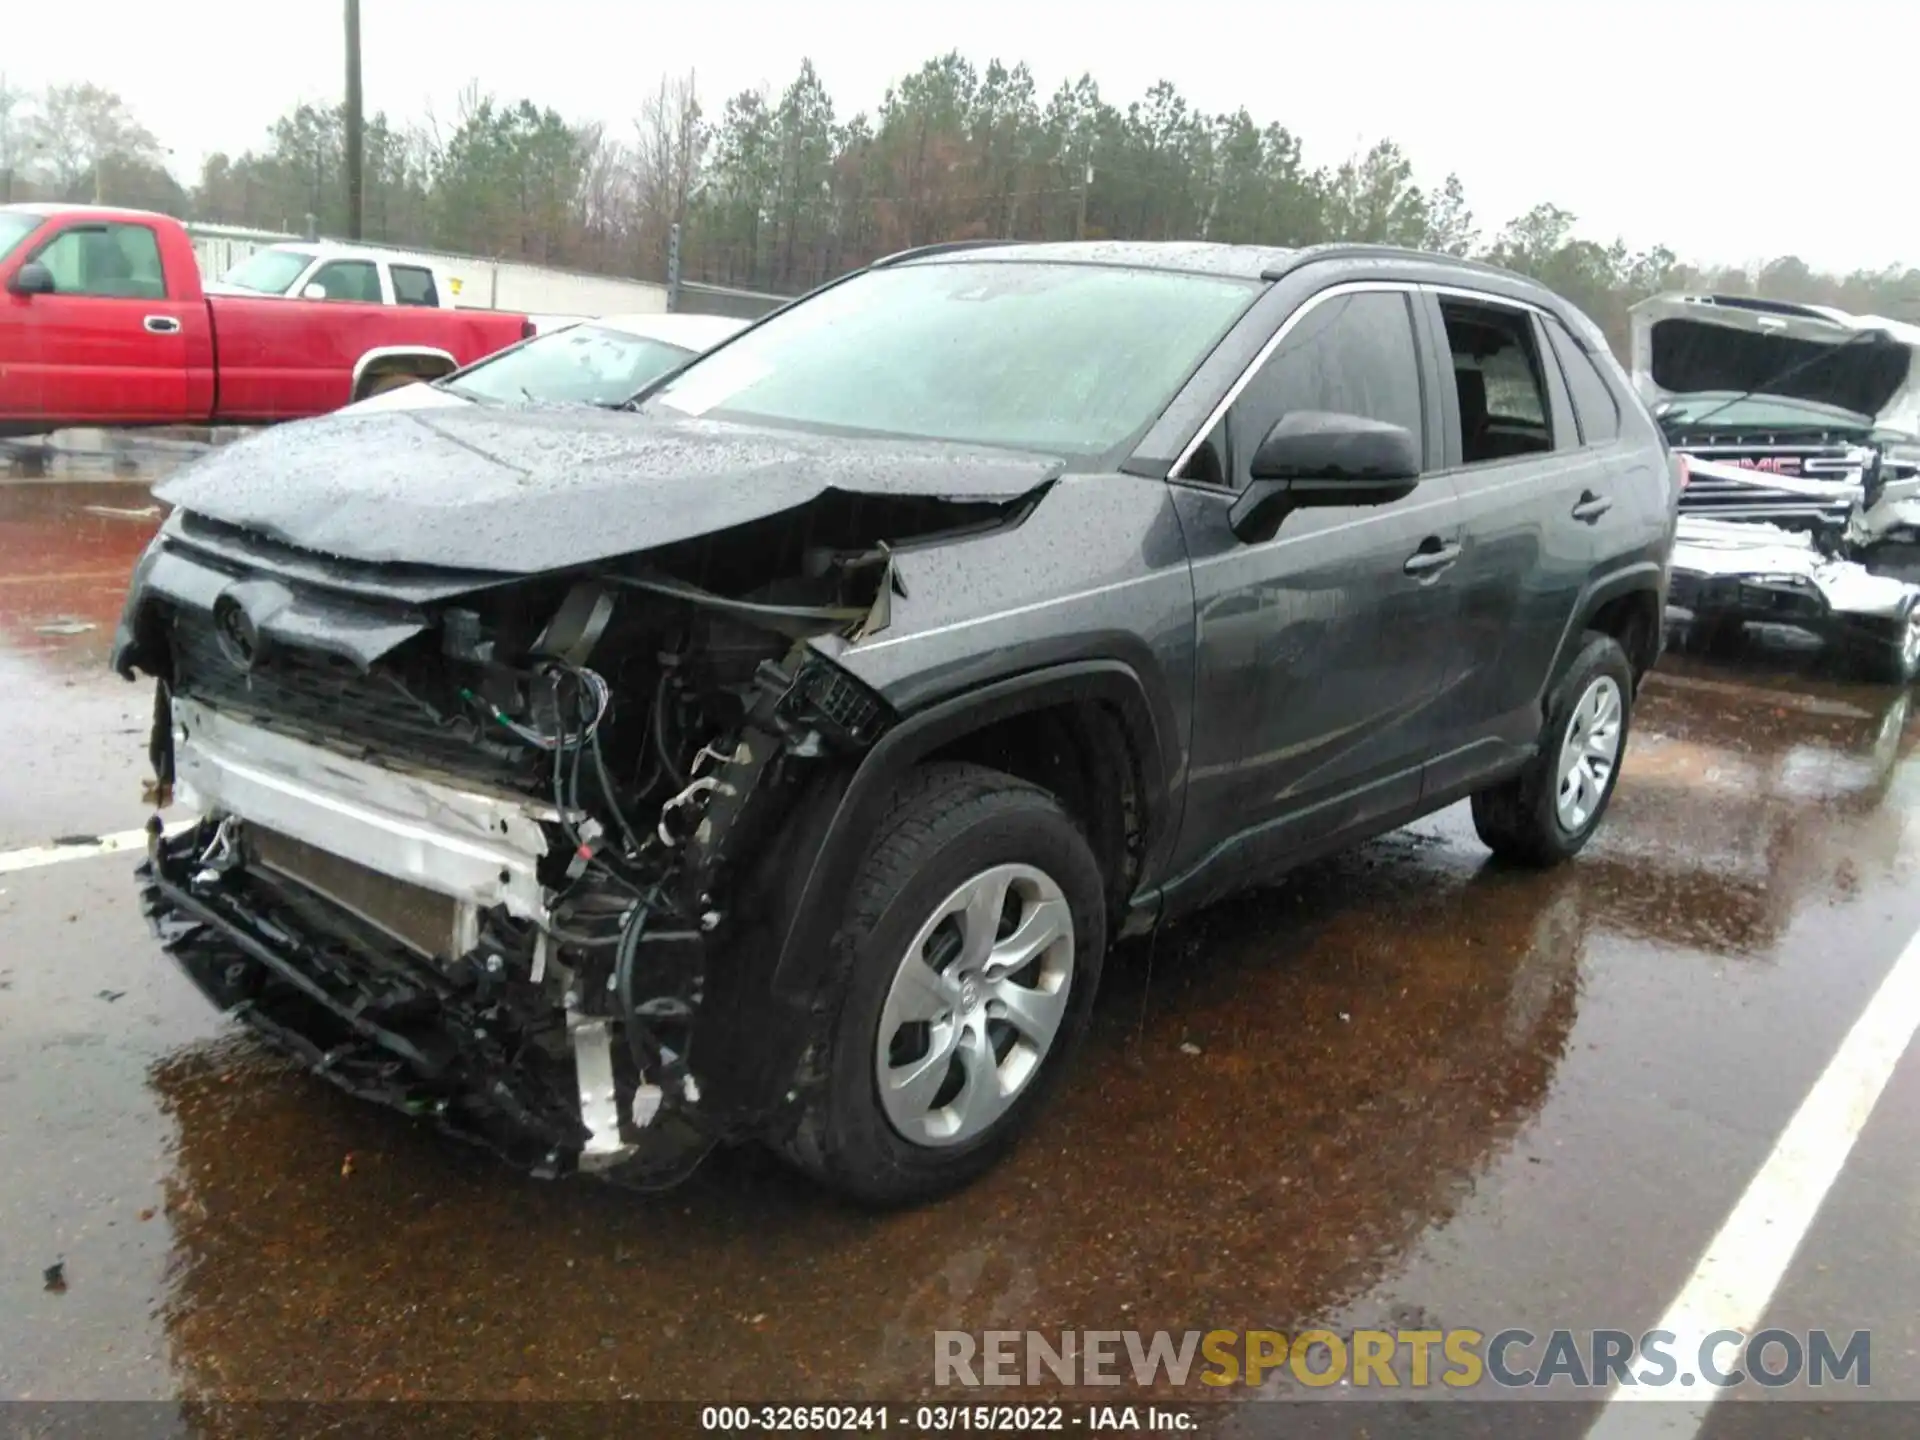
(971, 948)
(1549, 811)
(392, 381)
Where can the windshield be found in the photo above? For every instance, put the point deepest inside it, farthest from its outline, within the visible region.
(270, 272)
(13, 229)
(1069, 359)
(583, 364)
(1722, 410)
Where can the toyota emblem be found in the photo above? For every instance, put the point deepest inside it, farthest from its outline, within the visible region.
(234, 631)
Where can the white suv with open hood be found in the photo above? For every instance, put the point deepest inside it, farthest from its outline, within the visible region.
(1801, 429)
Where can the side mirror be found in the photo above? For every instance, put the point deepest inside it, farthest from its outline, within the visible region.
(1320, 457)
(315, 291)
(32, 278)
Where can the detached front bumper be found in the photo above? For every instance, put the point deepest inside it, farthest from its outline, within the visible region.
(1731, 571)
(389, 929)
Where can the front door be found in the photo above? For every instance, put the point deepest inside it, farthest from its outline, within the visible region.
(109, 346)
(1322, 651)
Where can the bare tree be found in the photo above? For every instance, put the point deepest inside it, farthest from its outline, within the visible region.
(82, 127)
(15, 122)
(669, 144)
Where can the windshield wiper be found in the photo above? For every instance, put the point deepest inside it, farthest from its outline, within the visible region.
(1788, 373)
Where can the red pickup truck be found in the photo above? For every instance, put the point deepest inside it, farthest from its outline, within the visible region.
(103, 321)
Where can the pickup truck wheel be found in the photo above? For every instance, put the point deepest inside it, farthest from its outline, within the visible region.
(389, 382)
(971, 946)
(1893, 656)
(1719, 638)
(1547, 812)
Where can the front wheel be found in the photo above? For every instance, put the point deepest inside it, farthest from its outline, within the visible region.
(1892, 656)
(971, 943)
(1549, 811)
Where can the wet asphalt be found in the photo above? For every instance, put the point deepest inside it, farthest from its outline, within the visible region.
(1402, 1087)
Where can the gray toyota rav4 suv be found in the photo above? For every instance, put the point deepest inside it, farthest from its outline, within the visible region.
(775, 756)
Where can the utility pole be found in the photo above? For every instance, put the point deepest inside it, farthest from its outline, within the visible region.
(356, 127)
(673, 267)
(1080, 220)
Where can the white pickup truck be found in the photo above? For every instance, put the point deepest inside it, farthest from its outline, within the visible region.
(323, 270)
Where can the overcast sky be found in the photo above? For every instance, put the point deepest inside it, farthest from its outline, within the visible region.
(1684, 122)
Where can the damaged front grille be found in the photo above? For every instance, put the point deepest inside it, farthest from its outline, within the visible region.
(325, 697)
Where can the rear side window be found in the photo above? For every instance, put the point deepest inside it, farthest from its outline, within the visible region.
(1594, 405)
(414, 286)
(347, 280)
(1499, 383)
(1352, 354)
(114, 261)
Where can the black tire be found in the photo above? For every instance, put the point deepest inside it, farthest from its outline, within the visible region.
(946, 824)
(1719, 638)
(384, 383)
(1519, 819)
(1884, 657)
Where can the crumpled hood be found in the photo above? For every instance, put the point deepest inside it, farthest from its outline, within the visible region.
(521, 491)
(1693, 344)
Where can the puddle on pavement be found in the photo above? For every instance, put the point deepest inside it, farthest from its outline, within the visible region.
(66, 550)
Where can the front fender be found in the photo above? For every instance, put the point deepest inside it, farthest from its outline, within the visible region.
(858, 809)
(774, 992)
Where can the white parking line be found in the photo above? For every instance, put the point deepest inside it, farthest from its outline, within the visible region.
(1735, 1280)
(35, 856)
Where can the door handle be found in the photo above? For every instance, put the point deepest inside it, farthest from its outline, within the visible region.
(161, 325)
(1431, 558)
(1591, 507)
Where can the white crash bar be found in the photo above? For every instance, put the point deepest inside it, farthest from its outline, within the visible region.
(475, 846)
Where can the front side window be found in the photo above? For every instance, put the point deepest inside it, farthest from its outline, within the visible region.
(1349, 354)
(1498, 380)
(583, 364)
(347, 280)
(414, 286)
(15, 227)
(113, 261)
(269, 272)
(1070, 360)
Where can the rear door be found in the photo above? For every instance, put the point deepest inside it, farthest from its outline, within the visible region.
(1638, 475)
(1531, 493)
(110, 345)
(1322, 651)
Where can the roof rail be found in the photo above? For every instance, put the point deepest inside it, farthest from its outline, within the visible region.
(943, 247)
(1354, 249)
